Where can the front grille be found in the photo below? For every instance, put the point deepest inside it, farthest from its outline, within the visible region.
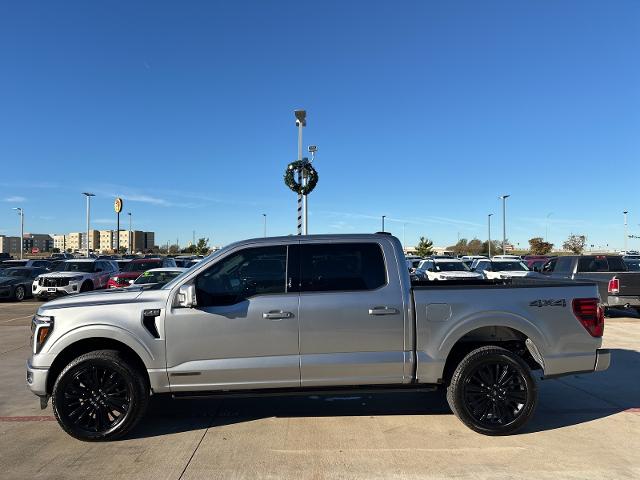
(53, 282)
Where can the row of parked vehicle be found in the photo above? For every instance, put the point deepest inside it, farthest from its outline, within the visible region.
(47, 278)
(617, 277)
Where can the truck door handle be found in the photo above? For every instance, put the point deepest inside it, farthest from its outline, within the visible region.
(382, 311)
(276, 315)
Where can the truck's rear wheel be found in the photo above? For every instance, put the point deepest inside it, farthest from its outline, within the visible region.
(99, 396)
(492, 391)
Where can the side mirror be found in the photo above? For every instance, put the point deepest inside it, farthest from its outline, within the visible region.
(186, 297)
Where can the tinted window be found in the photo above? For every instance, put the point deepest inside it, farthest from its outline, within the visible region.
(249, 272)
(451, 267)
(342, 266)
(601, 264)
(86, 267)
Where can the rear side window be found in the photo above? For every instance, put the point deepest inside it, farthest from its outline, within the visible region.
(563, 264)
(601, 263)
(341, 266)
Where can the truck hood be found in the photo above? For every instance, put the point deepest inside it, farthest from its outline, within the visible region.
(456, 275)
(98, 297)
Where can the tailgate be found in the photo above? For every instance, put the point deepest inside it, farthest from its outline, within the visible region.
(629, 284)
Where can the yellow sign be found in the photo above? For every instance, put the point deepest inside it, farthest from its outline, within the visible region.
(117, 205)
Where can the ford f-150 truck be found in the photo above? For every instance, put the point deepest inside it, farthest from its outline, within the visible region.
(311, 313)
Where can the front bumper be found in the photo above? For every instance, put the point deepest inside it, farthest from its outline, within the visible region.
(603, 359)
(42, 291)
(37, 380)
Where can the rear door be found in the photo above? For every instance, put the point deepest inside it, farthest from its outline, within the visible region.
(351, 314)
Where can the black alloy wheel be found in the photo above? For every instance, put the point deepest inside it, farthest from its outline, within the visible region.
(99, 396)
(492, 391)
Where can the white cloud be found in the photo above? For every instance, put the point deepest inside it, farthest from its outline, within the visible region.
(15, 199)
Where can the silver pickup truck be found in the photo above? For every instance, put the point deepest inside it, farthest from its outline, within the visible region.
(312, 313)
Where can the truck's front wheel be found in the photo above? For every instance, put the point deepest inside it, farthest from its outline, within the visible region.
(99, 396)
(492, 391)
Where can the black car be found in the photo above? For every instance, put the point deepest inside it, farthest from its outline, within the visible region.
(15, 282)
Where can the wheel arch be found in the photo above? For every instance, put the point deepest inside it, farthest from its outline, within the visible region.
(86, 345)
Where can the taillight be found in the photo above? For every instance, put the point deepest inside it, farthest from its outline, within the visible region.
(614, 286)
(590, 314)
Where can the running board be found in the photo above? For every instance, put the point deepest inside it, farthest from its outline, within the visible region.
(281, 392)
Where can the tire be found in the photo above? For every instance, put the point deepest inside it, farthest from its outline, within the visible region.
(492, 391)
(19, 293)
(99, 396)
(86, 287)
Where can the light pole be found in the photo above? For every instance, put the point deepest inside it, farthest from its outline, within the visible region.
(625, 230)
(88, 195)
(404, 227)
(504, 222)
(383, 217)
(546, 232)
(301, 122)
(129, 236)
(21, 213)
(265, 224)
(489, 225)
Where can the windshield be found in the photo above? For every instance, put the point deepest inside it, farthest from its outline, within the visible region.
(142, 266)
(215, 254)
(509, 267)
(86, 267)
(15, 272)
(451, 267)
(156, 277)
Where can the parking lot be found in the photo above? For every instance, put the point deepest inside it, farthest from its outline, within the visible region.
(585, 427)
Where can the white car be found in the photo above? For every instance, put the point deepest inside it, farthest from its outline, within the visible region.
(497, 269)
(78, 275)
(506, 257)
(445, 269)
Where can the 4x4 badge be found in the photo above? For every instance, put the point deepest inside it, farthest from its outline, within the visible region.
(549, 303)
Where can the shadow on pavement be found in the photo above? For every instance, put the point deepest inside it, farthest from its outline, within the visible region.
(591, 397)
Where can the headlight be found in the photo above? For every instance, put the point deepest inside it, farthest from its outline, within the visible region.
(115, 279)
(41, 328)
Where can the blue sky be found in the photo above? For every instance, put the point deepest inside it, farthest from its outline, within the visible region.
(422, 111)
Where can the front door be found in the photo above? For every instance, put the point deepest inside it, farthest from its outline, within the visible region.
(243, 333)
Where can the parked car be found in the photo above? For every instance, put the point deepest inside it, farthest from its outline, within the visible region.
(13, 263)
(61, 256)
(506, 257)
(412, 261)
(539, 260)
(15, 282)
(445, 269)
(469, 259)
(633, 265)
(4, 256)
(80, 275)
(492, 269)
(56, 265)
(137, 267)
(288, 314)
(156, 277)
(618, 287)
(122, 263)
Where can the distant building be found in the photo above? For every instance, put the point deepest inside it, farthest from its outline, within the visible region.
(59, 242)
(42, 242)
(10, 245)
(104, 241)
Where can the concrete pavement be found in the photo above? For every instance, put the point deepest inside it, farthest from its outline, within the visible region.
(586, 426)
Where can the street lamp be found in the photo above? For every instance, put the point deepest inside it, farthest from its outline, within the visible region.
(21, 213)
(383, 217)
(625, 230)
(546, 232)
(489, 224)
(265, 224)
(88, 195)
(504, 222)
(129, 236)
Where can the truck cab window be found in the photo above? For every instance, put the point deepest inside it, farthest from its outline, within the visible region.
(346, 266)
(241, 275)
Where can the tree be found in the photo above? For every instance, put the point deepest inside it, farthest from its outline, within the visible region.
(575, 243)
(423, 249)
(496, 247)
(174, 249)
(459, 248)
(474, 247)
(539, 247)
(55, 250)
(202, 247)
